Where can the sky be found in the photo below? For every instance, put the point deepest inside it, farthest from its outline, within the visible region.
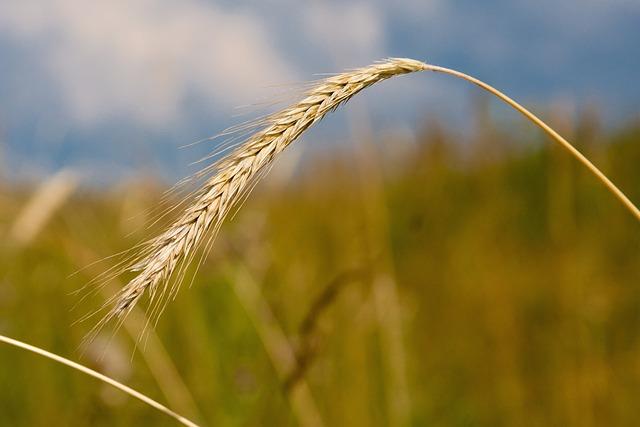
(112, 89)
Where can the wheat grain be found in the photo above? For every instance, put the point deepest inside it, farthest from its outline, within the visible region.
(160, 262)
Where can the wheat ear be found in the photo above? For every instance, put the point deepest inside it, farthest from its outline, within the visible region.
(160, 262)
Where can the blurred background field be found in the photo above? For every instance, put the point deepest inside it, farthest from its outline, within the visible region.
(445, 280)
(421, 258)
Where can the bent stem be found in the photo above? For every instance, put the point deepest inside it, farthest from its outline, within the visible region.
(276, 344)
(99, 376)
(548, 130)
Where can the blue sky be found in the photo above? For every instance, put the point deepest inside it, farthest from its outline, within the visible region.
(112, 89)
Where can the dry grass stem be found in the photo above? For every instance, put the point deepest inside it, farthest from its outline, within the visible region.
(549, 131)
(100, 377)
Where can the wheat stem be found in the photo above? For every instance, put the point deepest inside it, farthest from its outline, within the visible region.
(99, 376)
(548, 130)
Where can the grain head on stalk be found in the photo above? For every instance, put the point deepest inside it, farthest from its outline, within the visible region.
(159, 263)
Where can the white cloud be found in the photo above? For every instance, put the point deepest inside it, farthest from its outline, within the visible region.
(354, 31)
(143, 58)
(73, 71)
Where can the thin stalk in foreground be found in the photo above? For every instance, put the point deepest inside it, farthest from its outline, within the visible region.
(99, 376)
(548, 130)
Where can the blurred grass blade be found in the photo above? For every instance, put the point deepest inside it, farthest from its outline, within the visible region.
(276, 344)
(42, 206)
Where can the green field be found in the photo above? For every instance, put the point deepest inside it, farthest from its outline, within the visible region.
(484, 282)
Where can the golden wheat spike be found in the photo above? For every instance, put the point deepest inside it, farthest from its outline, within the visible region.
(159, 263)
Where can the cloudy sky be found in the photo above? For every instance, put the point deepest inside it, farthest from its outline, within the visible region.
(112, 88)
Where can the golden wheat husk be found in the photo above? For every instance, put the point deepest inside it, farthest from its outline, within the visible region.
(159, 263)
